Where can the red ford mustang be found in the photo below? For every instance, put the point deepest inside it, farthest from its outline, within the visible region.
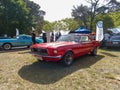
(66, 48)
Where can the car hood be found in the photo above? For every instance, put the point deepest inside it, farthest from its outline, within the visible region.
(53, 44)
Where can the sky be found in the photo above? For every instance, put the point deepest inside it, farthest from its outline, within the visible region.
(58, 9)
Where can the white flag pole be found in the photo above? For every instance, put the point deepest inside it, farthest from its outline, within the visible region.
(99, 31)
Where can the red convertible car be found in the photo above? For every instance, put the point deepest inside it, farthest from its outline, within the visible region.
(66, 48)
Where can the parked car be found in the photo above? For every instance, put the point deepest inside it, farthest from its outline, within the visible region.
(66, 48)
(21, 40)
(114, 41)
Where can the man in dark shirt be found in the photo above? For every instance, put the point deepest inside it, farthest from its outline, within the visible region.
(33, 37)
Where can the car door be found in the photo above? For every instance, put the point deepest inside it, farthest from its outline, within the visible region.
(24, 41)
(80, 47)
(86, 44)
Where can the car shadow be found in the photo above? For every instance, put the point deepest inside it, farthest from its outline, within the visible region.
(14, 49)
(109, 54)
(117, 49)
(51, 72)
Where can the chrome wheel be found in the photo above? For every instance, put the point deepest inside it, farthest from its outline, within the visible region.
(7, 46)
(68, 59)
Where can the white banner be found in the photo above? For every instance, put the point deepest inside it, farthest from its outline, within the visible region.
(99, 31)
(33, 29)
(17, 32)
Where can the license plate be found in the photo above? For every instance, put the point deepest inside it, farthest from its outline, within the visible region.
(115, 43)
(38, 56)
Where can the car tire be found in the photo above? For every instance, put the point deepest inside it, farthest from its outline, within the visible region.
(94, 52)
(39, 60)
(7, 46)
(68, 59)
(28, 46)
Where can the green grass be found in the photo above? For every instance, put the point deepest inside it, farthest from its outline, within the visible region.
(19, 70)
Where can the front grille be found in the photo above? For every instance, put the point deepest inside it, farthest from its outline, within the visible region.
(40, 51)
(34, 50)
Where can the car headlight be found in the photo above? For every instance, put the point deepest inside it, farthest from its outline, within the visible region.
(55, 51)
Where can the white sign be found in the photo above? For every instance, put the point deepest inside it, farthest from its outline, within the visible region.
(99, 31)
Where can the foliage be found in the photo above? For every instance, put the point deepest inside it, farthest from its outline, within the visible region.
(64, 24)
(37, 14)
(110, 20)
(113, 5)
(14, 14)
(81, 13)
(88, 13)
(58, 25)
(21, 14)
(105, 18)
(70, 24)
(47, 26)
(115, 16)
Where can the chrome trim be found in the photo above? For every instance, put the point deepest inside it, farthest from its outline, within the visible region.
(53, 56)
(46, 56)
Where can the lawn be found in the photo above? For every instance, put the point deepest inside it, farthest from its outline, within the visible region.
(19, 70)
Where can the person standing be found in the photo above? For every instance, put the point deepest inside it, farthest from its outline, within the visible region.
(52, 37)
(44, 36)
(33, 37)
(58, 34)
(106, 38)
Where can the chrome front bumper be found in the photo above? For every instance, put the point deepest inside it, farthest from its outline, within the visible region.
(48, 58)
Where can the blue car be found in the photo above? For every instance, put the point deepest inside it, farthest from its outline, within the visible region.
(21, 40)
(114, 41)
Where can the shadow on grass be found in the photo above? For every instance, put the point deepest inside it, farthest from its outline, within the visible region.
(51, 72)
(116, 49)
(109, 54)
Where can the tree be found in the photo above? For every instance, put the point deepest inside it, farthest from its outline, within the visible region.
(107, 21)
(70, 24)
(86, 14)
(21, 14)
(113, 5)
(115, 17)
(94, 9)
(59, 25)
(48, 26)
(81, 13)
(14, 14)
(37, 14)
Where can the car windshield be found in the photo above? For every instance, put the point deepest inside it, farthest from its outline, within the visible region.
(115, 38)
(69, 38)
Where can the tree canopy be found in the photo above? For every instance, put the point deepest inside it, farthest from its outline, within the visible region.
(64, 24)
(21, 14)
(37, 14)
(87, 14)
